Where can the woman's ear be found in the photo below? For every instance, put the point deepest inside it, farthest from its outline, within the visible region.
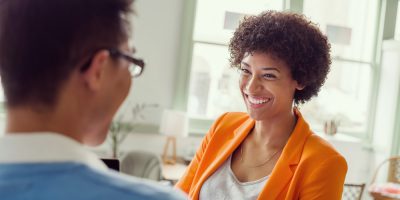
(299, 86)
(92, 76)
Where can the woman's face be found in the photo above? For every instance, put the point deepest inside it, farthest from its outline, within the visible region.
(266, 85)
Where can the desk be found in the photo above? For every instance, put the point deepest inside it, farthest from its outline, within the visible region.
(173, 172)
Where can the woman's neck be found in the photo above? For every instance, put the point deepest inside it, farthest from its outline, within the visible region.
(274, 132)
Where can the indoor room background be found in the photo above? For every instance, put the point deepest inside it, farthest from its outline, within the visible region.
(184, 44)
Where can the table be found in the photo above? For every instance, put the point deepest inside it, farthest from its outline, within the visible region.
(173, 172)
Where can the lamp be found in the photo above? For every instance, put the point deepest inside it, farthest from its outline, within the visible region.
(173, 124)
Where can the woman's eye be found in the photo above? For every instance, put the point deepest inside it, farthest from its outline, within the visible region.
(269, 76)
(244, 71)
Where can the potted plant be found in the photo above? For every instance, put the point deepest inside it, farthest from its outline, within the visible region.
(119, 129)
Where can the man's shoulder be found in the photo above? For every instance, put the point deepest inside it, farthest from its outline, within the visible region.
(120, 186)
(78, 181)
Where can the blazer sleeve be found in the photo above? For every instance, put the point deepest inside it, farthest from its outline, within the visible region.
(186, 182)
(326, 180)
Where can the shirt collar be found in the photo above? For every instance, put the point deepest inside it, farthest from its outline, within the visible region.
(45, 148)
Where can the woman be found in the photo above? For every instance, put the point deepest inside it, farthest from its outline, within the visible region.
(270, 152)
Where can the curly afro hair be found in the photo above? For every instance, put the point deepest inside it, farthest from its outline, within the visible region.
(289, 37)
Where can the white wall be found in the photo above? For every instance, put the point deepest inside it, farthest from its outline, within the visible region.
(2, 123)
(152, 143)
(156, 36)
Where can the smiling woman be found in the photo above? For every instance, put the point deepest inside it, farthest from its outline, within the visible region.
(266, 85)
(270, 152)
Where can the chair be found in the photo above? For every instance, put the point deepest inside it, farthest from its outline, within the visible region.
(394, 170)
(393, 178)
(142, 164)
(352, 191)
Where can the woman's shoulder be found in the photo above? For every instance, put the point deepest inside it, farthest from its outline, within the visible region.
(319, 149)
(235, 116)
(232, 119)
(228, 122)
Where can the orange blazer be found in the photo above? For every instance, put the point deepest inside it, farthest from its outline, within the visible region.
(308, 168)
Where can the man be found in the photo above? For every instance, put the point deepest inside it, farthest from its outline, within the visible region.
(66, 67)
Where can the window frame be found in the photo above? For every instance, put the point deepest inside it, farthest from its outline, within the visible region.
(199, 127)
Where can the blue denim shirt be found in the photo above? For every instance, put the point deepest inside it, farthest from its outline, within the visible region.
(53, 167)
(74, 181)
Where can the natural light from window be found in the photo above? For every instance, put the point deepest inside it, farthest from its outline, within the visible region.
(351, 29)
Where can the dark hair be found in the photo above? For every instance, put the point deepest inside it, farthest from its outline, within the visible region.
(42, 42)
(291, 38)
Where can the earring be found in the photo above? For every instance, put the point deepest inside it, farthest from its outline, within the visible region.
(296, 106)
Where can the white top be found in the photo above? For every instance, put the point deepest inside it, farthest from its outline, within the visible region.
(223, 184)
(45, 148)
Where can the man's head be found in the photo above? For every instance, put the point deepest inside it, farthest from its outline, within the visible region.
(57, 54)
(43, 41)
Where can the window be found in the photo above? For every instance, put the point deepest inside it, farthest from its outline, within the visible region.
(344, 98)
(213, 85)
(215, 21)
(351, 27)
(397, 29)
(351, 30)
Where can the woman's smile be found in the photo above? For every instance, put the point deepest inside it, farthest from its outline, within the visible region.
(257, 102)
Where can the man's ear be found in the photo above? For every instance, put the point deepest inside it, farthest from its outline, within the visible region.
(92, 76)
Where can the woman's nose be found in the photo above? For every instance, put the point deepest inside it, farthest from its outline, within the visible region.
(253, 84)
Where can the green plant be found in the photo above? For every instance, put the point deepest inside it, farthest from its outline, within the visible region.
(119, 129)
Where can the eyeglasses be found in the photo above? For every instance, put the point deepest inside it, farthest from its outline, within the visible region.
(137, 65)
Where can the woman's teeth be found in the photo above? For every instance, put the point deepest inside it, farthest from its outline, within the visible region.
(258, 101)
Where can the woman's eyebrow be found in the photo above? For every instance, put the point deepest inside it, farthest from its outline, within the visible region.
(263, 68)
(271, 68)
(244, 63)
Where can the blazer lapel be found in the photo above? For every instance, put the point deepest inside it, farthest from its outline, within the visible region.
(284, 168)
(227, 148)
